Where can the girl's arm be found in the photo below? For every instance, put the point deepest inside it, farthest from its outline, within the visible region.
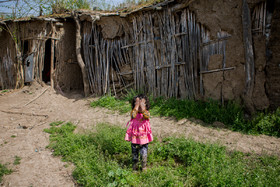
(134, 112)
(146, 114)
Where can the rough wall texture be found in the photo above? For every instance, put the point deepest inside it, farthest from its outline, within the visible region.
(68, 74)
(259, 95)
(273, 63)
(225, 16)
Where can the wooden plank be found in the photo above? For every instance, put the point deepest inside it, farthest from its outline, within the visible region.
(248, 46)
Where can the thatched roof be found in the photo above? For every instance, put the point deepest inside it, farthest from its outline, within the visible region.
(92, 15)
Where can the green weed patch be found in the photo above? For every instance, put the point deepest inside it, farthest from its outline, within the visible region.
(231, 114)
(103, 158)
(17, 160)
(4, 171)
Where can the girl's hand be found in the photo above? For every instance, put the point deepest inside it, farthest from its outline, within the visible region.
(143, 104)
(137, 103)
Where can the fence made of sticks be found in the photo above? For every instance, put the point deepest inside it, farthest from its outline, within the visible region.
(167, 51)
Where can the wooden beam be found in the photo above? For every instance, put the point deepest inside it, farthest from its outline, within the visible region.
(216, 40)
(180, 34)
(217, 70)
(169, 65)
(43, 38)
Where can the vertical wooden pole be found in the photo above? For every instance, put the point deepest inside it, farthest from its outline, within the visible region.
(249, 58)
(52, 55)
(248, 45)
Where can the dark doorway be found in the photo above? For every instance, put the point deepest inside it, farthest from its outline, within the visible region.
(46, 74)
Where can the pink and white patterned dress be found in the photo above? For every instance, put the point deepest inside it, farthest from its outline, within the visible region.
(139, 130)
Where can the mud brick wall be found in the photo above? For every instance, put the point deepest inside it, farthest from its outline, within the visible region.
(273, 63)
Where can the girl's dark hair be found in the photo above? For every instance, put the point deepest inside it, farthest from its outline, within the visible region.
(141, 96)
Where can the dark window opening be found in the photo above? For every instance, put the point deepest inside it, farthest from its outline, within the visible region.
(25, 47)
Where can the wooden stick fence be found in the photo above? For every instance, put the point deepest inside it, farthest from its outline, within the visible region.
(259, 19)
(103, 59)
(168, 53)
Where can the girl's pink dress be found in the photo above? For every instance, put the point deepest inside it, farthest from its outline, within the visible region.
(139, 130)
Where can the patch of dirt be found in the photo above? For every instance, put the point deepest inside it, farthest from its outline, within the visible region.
(25, 113)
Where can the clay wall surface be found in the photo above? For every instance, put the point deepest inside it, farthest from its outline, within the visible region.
(227, 16)
(68, 74)
(273, 60)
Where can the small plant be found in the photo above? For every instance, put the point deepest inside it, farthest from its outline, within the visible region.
(3, 91)
(4, 171)
(13, 136)
(17, 160)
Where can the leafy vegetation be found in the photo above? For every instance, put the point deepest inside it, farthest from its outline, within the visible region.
(24, 8)
(231, 114)
(128, 5)
(3, 91)
(17, 160)
(103, 158)
(4, 171)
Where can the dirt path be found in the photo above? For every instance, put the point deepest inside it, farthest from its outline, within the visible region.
(22, 123)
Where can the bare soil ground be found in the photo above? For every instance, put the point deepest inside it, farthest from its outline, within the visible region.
(25, 113)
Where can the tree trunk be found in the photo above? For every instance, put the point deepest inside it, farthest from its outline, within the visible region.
(79, 55)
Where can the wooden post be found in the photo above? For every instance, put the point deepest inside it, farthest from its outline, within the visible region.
(52, 55)
(248, 45)
(79, 55)
(249, 57)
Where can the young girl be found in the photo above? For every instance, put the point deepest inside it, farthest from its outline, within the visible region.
(139, 132)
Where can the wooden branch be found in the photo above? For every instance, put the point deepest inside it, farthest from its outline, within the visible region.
(180, 34)
(79, 55)
(216, 40)
(23, 113)
(38, 38)
(126, 73)
(217, 70)
(169, 65)
(125, 87)
(138, 43)
(36, 97)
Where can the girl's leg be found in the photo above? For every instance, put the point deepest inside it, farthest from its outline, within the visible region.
(144, 155)
(135, 155)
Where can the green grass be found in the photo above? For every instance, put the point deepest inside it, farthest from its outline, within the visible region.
(17, 160)
(3, 91)
(103, 158)
(4, 171)
(231, 114)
